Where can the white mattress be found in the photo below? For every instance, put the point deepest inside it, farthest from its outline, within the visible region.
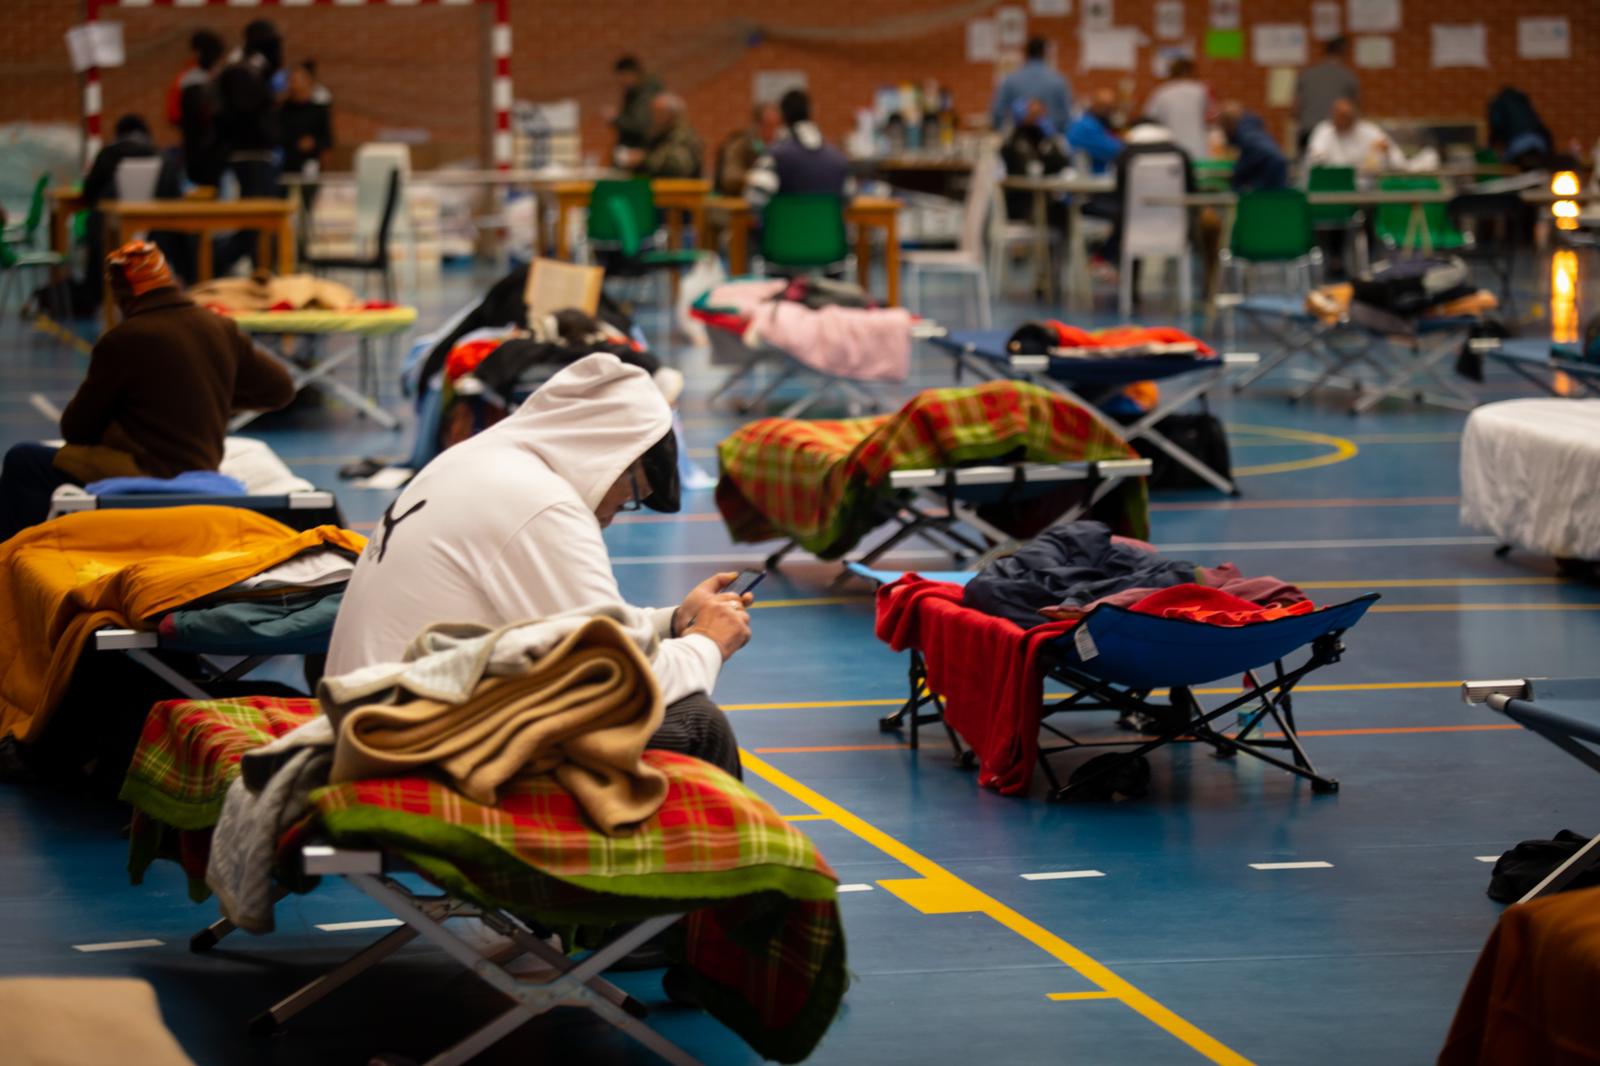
(1530, 475)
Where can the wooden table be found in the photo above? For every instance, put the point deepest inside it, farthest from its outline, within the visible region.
(680, 199)
(64, 203)
(270, 216)
(1080, 291)
(865, 213)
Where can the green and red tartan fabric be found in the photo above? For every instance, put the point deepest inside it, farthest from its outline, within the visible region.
(823, 483)
(762, 940)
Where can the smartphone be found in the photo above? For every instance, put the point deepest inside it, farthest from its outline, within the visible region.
(747, 580)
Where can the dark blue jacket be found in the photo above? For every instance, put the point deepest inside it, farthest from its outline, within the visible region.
(1260, 164)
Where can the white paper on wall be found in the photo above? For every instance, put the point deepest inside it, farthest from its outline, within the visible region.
(1114, 49)
(1012, 25)
(983, 41)
(1278, 44)
(1327, 20)
(1374, 52)
(1373, 16)
(1460, 44)
(1169, 20)
(95, 44)
(1098, 15)
(1224, 14)
(768, 86)
(1050, 9)
(1544, 38)
(1280, 86)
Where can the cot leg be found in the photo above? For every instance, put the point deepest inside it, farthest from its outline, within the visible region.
(207, 938)
(772, 561)
(270, 1020)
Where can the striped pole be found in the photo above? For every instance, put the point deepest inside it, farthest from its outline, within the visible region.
(500, 48)
(91, 101)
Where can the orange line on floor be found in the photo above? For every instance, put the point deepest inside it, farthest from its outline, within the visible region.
(830, 747)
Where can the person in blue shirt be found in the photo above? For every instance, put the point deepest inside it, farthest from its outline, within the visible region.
(1260, 164)
(1037, 80)
(1091, 132)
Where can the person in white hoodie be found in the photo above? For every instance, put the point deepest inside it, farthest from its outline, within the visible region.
(505, 527)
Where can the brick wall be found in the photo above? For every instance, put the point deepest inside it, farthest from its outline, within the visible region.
(423, 66)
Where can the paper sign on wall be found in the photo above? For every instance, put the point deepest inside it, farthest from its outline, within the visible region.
(1012, 24)
(1224, 44)
(983, 41)
(1374, 52)
(96, 44)
(1224, 14)
(1050, 9)
(1460, 44)
(1325, 20)
(1278, 44)
(1169, 20)
(1280, 86)
(1374, 16)
(1098, 15)
(1544, 38)
(1114, 49)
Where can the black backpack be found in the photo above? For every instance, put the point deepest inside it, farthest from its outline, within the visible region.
(1524, 866)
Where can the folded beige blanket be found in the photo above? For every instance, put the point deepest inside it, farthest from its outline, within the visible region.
(84, 1021)
(262, 292)
(583, 712)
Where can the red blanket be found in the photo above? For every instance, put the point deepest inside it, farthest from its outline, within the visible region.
(987, 669)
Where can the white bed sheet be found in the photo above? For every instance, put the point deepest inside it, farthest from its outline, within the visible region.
(1530, 475)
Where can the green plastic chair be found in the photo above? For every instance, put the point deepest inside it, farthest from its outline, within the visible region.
(1332, 179)
(1393, 220)
(1273, 226)
(622, 219)
(804, 231)
(1212, 175)
(23, 233)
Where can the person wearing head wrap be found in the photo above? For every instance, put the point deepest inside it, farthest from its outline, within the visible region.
(161, 387)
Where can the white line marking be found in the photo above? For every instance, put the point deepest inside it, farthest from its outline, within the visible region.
(1318, 865)
(117, 945)
(1487, 858)
(855, 888)
(371, 923)
(1062, 875)
(42, 403)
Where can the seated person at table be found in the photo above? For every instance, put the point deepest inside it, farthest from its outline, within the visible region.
(744, 146)
(131, 139)
(1345, 139)
(506, 527)
(798, 161)
(1033, 149)
(161, 386)
(1260, 163)
(1091, 132)
(673, 150)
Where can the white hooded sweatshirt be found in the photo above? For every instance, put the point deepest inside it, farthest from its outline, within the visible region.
(501, 528)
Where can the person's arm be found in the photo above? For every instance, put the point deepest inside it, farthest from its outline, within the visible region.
(324, 128)
(761, 182)
(1102, 145)
(1320, 148)
(561, 554)
(102, 172)
(261, 383)
(93, 407)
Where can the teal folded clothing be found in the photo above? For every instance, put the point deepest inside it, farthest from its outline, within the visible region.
(295, 625)
(188, 483)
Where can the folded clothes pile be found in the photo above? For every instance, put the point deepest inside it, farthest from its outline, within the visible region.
(1069, 570)
(291, 292)
(288, 609)
(829, 326)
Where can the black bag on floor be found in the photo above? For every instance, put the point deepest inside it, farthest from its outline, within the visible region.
(1469, 362)
(1201, 435)
(1531, 861)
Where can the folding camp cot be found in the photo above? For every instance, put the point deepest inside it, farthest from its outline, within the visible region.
(757, 905)
(309, 366)
(297, 510)
(933, 505)
(1116, 660)
(726, 333)
(1567, 714)
(1403, 366)
(1185, 376)
(1556, 369)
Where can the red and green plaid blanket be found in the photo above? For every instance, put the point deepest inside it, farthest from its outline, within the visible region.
(824, 483)
(762, 940)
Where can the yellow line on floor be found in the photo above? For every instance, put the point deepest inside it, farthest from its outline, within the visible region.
(816, 601)
(1343, 449)
(805, 817)
(1063, 997)
(895, 701)
(1407, 438)
(46, 324)
(948, 885)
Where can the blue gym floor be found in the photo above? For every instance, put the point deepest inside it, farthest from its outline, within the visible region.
(1174, 949)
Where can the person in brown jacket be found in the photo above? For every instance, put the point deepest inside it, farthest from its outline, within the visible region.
(161, 387)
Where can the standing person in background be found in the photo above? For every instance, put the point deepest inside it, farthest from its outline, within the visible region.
(743, 147)
(1260, 164)
(1091, 132)
(1036, 79)
(632, 119)
(1319, 85)
(799, 161)
(131, 139)
(1183, 105)
(197, 110)
(247, 125)
(674, 149)
(306, 127)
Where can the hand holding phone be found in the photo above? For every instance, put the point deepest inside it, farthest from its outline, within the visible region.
(744, 582)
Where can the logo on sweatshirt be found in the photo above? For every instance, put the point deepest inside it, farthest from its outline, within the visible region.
(390, 522)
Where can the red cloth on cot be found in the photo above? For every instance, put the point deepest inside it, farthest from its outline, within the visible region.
(464, 358)
(1127, 337)
(987, 669)
(735, 324)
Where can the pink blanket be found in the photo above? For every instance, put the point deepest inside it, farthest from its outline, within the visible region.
(855, 343)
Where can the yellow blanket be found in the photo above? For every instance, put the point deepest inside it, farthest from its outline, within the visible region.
(62, 580)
